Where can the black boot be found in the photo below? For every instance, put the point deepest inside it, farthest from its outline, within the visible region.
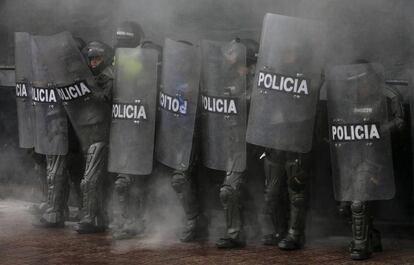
(361, 245)
(292, 241)
(228, 242)
(295, 238)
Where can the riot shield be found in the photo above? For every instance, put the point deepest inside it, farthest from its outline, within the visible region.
(223, 105)
(23, 64)
(131, 144)
(359, 134)
(50, 122)
(177, 104)
(286, 86)
(75, 87)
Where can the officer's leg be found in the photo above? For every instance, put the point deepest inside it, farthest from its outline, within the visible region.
(75, 170)
(138, 196)
(38, 209)
(183, 184)
(361, 244)
(275, 208)
(93, 216)
(130, 193)
(122, 188)
(57, 180)
(297, 184)
(230, 196)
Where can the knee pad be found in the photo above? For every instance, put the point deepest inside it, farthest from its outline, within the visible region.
(122, 183)
(179, 181)
(227, 193)
(358, 207)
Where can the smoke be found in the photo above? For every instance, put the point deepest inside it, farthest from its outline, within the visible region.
(377, 30)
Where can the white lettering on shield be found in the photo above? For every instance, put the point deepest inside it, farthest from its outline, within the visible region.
(177, 104)
(355, 132)
(126, 111)
(21, 91)
(74, 91)
(219, 105)
(282, 83)
(43, 95)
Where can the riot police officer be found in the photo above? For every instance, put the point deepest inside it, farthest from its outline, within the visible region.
(233, 190)
(55, 210)
(281, 119)
(178, 149)
(94, 214)
(135, 76)
(362, 169)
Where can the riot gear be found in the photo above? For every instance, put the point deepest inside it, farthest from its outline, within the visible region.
(23, 62)
(282, 116)
(93, 210)
(51, 133)
(230, 196)
(133, 111)
(362, 110)
(132, 134)
(288, 75)
(57, 181)
(89, 113)
(99, 56)
(131, 196)
(223, 104)
(276, 200)
(183, 184)
(50, 126)
(178, 102)
(360, 133)
(177, 108)
(129, 35)
(286, 170)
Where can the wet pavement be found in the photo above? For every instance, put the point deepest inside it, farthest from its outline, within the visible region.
(21, 243)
